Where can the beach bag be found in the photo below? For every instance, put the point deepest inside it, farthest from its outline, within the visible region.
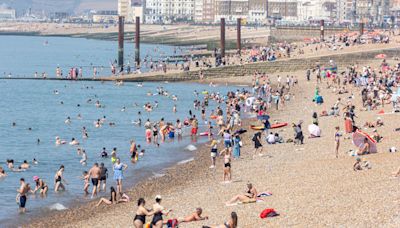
(269, 212)
(172, 223)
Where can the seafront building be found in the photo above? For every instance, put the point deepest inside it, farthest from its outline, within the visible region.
(169, 11)
(7, 14)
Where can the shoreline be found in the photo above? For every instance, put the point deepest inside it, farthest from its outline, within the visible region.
(179, 173)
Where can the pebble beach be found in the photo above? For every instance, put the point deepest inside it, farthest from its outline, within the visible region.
(310, 187)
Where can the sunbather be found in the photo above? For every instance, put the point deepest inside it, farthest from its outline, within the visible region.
(195, 216)
(249, 197)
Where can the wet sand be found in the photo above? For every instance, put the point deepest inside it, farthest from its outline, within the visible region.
(310, 186)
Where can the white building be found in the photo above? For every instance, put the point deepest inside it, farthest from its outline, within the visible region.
(198, 11)
(316, 10)
(135, 11)
(167, 11)
(231, 10)
(123, 8)
(7, 14)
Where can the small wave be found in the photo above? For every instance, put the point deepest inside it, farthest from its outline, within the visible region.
(57, 207)
(157, 175)
(185, 161)
(191, 147)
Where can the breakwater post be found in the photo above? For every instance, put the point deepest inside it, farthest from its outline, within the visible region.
(239, 35)
(361, 27)
(121, 41)
(322, 23)
(137, 41)
(222, 37)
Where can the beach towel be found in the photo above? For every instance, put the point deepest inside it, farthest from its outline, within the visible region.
(264, 194)
(269, 212)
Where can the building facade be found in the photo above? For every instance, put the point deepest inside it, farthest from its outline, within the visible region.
(231, 10)
(7, 14)
(168, 11)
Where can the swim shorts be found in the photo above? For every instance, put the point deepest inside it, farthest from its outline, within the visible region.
(22, 201)
(95, 181)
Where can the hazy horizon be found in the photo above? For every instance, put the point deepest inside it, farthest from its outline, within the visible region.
(70, 6)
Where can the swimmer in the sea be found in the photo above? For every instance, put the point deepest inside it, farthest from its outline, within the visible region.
(74, 142)
(10, 163)
(2, 172)
(25, 165)
(104, 153)
(59, 141)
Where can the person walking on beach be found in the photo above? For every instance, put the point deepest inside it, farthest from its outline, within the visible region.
(236, 146)
(214, 152)
(58, 179)
(257, 144)
(22, 191)
(227, 164)
(141, 213)
(94, 174)
(337, 141)
(119, 168)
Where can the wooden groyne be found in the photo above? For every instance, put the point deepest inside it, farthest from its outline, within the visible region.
(284, 65)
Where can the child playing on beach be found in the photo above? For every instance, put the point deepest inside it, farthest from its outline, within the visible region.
(360, 165)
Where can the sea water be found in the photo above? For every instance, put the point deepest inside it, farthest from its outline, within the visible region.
(22, 56)
(35, 104)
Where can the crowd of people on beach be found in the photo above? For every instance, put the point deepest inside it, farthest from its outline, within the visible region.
(223, 127)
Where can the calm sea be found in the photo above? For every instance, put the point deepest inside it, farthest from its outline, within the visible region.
(33, 104)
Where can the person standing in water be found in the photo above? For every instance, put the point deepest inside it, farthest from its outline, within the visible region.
(133, 151)
(119, 168)
(58, 179)
(103, 177)
(95, 173)
(22, 191)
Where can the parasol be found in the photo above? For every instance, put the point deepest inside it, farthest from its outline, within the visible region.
(358, 140)
(314, 130)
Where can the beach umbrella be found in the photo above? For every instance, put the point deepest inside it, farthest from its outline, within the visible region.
(314, 130)
(263, 117)
(381, 56)
(358, 140)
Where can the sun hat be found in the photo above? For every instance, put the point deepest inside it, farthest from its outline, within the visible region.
(35, 178)
(158, 197)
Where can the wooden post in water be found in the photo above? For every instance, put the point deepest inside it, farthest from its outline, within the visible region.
(137, 41)
(239, 35)
(361, 27)
(121, 41)
(222, 37)
(322, 23)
